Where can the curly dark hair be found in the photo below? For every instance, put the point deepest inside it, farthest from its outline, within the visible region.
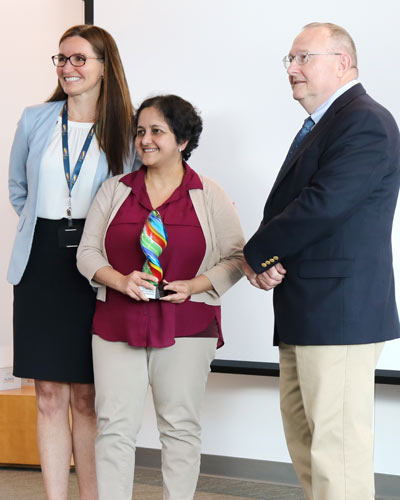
(182, 118)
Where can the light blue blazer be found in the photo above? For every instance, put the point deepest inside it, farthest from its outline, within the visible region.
(33, 134)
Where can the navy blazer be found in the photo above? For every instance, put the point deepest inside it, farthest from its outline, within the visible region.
(328, 219)
(33, 134)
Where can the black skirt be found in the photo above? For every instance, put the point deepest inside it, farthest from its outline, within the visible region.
(53, 311)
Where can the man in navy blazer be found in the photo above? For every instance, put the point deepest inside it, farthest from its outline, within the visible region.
(324, 246)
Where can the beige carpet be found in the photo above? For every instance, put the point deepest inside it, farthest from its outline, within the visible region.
(26, 484)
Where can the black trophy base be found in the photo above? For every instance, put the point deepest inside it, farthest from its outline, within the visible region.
(157, 293)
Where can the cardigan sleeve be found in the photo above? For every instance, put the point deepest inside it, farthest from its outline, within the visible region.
(227, 238)
(90, 254)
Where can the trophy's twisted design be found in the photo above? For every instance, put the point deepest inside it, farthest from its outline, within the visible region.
(153, 241)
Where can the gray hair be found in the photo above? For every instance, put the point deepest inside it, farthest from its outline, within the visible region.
(341, 37)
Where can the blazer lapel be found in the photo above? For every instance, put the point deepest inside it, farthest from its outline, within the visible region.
(338, 104)
(43, 133)
(287, 166)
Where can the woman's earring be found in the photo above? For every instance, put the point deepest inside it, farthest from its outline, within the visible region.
(180, 150)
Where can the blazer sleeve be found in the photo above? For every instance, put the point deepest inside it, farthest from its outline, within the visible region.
(348, 171)
(90, 255)
(17, 180)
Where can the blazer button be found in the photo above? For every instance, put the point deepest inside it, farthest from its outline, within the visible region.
(263, 264)
(275, 258)
(268, 262)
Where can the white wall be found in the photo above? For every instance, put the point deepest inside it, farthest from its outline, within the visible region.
(29, 34)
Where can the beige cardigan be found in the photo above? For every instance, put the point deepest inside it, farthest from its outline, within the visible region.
(218, 220)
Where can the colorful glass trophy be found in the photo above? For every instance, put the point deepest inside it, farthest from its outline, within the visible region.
(153, 241)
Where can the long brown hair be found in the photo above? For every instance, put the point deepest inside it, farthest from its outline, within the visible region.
(114, 124)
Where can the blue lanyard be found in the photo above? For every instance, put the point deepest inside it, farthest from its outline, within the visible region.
(71, 179)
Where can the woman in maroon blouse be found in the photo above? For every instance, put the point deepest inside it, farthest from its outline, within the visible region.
(167, 343)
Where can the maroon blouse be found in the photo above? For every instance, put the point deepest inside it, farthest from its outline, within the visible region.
(156, 323)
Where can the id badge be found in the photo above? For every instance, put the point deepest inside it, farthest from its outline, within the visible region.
(69, 236)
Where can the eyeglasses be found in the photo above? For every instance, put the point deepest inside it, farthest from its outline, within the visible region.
(304, 57)
(76, 60)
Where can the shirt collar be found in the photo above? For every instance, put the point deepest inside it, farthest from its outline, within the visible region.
(135, 180)
(321, 110)
(191, 179)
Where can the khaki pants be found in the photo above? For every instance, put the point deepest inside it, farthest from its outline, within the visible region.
(178, 376)
(327, 405)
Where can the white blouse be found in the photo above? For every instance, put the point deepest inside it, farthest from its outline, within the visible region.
(53, 190)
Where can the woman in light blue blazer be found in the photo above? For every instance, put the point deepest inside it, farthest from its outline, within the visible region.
(62, 152)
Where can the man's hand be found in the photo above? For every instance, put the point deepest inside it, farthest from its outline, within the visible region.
(272, 277)
(268, 279)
